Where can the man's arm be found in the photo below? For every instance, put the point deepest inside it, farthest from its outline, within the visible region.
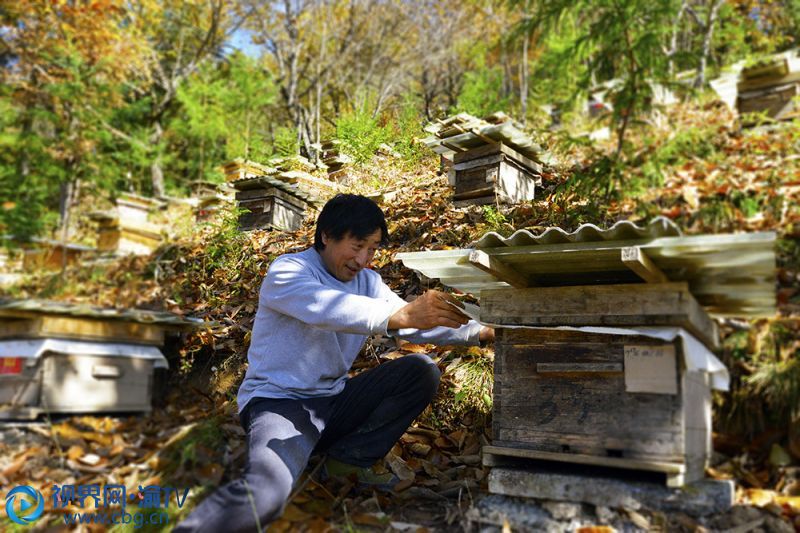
(289, 289)
(434, 317)
(432, 309)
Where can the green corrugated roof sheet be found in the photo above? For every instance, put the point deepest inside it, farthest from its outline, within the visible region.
(12, 307)
(729, 274)
(255, 182)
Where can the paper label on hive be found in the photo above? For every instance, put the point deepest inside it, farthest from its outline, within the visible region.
(651, 369)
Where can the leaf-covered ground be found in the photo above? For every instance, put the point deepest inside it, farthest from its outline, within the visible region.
(693, 166)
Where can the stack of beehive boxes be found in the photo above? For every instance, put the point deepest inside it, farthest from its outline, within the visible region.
(604, 351)
(335, 161)
(770, 88)
(596, 398)
(128, 230)
(57, 357)
(278, 195)
(493, 160)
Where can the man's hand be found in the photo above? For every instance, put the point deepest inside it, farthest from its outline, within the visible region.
(432, 309)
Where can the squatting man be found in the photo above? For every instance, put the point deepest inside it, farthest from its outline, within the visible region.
(316, 309)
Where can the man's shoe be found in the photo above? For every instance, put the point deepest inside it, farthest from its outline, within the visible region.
(365, 476)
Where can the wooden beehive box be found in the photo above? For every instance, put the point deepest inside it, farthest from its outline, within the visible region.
(58, 382)
(136, 209)
(493, 173)
(770, 88)
(775, 102)
(207, 207)
(38, 326)
(334, 159)
(50, 255)
(62, 358)
(203, 188)
(625, 401)
(126, 236)
(270, 207)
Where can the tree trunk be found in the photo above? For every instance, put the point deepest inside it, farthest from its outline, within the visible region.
(508, 73)
(621, 132)
(317, 120)
(673, 44)
(427, 97)
(201, 166)
(156, 172)
(711, 21)
(304, 131)
(201, 170)
(323, 43)
(65, 202)
(523, 81)
(453, 85)
(247, 134)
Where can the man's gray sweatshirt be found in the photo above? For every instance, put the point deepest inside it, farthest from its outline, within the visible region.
(310, 326)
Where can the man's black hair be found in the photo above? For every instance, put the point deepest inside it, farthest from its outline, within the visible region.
(350, 214)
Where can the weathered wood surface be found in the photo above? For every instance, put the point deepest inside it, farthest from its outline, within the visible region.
(269, 192)
(564, 392)
(645, 304)
(596, 485)
(50, 258)
(475, 182)
(766, 70)
(516, 184)
(480, 200)
(259, 205)
(634, 258)
(81, 328)
(479, 162)
(494, 171)
(498, 269)
(767, 82)
(272, 212)
(776, 102)
(578, 368)
(494, 148)
(492, 455)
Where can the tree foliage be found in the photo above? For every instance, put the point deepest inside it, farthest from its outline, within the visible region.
(148, 96)
(66, 65)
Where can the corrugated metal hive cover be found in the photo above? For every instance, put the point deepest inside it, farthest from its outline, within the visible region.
(254, 182)
(462, 132)
(729, 274)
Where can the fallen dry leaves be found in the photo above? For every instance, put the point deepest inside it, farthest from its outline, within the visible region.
(752, 185)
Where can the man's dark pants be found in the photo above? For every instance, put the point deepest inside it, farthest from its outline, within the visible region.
(357, 426)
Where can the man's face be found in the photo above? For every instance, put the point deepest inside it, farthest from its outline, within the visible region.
(346, 257)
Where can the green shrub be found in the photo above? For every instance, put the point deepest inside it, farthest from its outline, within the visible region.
(481, 93)
(408, 128)
(285, 143)
(361, 134)
(495, 220)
